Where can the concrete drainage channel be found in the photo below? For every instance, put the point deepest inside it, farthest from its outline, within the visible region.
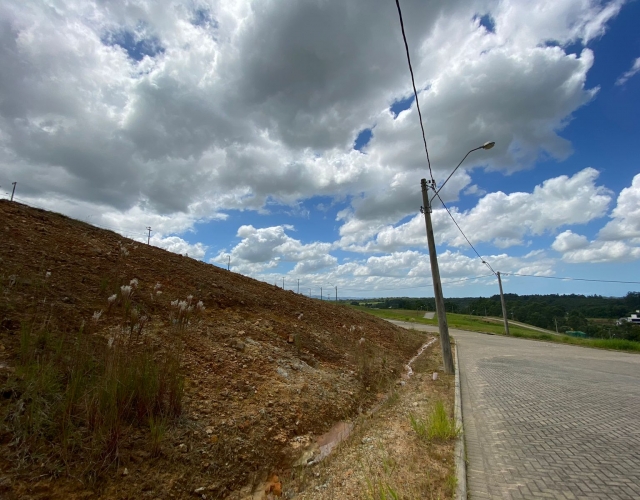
(460, 453)
(326, 443)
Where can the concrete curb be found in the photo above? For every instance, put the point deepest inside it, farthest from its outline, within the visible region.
(460, 453)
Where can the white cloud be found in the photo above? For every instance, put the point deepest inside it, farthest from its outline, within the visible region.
(176, 244)
(247, 103)
(626, 215)
(502, 219)
(635, 67)
(603, 251)
(263, 100)
(569, 241)
(617, 241)
(264, 248)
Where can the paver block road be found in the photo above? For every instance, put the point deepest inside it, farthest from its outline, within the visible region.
(545, 420)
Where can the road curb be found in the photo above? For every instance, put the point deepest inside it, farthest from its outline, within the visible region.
(460, 453)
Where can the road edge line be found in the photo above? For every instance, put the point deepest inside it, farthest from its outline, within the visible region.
(460, 454)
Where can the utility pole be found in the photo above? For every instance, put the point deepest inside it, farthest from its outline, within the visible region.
(556, 321)
(149, 235)
(14, 190)
(283, 282)
(437, 285)
(336, 293)
(309, 292)
(320, 293)
(504, 306)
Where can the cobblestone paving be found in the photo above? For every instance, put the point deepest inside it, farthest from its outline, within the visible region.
(549, 421)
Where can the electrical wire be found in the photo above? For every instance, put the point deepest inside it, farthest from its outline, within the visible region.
(571, 279)
(465, 236)
(415, 92)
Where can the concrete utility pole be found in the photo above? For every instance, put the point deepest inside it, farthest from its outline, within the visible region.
(283, 282)
(437, 285)
(149, 235)
(320, 293)
(14, 190)
(504, 305)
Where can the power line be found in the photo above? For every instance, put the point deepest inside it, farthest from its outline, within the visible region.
(415, 92)
(465, 236)
(571, 279)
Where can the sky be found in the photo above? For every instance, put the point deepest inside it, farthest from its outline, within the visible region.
(282, 136)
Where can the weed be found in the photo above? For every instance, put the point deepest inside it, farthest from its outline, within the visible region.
(381, 490)
(158, 428)
(438, 426)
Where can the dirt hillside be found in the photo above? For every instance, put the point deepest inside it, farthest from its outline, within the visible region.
(234, 378)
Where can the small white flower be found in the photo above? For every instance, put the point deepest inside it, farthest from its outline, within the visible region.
(200, 306)
(123, 250)
(125, 290)
(134, 282)
(158, 292)
(157, 287)
(96, 316)
(110, 342)
(189, 309)
(48, 274)
(189, 297)
(174, 303)
(112, 299)
(182, 305)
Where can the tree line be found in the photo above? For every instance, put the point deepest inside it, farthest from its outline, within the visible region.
(566, 312)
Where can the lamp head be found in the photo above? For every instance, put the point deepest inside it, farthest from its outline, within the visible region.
(488, 145)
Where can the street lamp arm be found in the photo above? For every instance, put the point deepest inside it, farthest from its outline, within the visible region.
(486, 145)
(454, 171)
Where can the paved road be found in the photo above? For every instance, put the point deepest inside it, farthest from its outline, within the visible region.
(549, 421)
(544, 420)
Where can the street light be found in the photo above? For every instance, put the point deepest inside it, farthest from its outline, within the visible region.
(443, 327)
(486, 145)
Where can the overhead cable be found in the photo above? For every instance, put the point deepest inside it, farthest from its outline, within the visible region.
(415, 92)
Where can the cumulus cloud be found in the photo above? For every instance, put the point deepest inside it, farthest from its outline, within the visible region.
(635, 67)
(264, 248)
(617, 241)
(168, 105)
(502, 219)
(626, 215)
(175, 112)
(569, 241)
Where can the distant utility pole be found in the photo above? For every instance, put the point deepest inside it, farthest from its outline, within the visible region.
(320, 293)
(298, 285)
(283, 282)
(14, 190)
(437, 285)
(504, 305)
(149, 235)
(336, 293)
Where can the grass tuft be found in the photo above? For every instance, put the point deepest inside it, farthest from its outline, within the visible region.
(437, 426)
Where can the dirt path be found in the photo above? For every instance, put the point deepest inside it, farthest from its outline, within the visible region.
(523, 325)
(384, 455)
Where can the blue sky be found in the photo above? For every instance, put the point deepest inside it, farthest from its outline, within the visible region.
(285, 135)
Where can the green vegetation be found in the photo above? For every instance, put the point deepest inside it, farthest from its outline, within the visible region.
(477, 324)
(438, 426)
(594, 315)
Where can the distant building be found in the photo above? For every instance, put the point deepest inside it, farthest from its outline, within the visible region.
(634, 319)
